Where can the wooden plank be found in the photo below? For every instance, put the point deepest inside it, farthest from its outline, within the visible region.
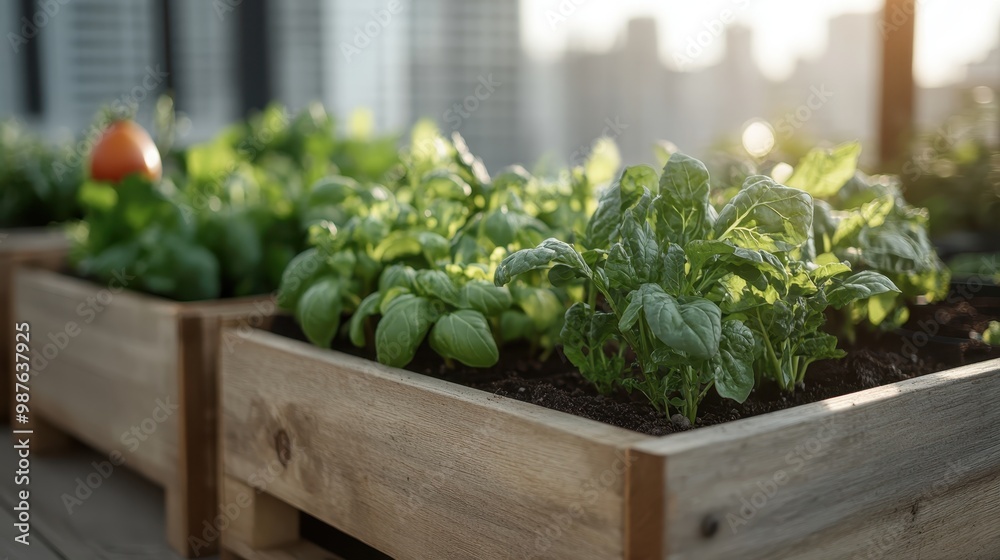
(417, 467)
(136, 376)
(38, 549)
(909, 470)
(645, 511)
(122, 517)
(897, 91)
(259, 520)
(300, 550)
(104, 368)
(44, 247)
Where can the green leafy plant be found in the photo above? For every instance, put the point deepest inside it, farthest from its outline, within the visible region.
(233, 212)
(700, 298)
(992, 334)
(38, 182)
(865, 221)
(440, 216)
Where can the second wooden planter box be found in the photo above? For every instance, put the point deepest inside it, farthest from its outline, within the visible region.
(41, 247)
(422, 468)
(135, 377)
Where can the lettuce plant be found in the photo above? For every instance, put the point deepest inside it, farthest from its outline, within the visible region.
(698, 298)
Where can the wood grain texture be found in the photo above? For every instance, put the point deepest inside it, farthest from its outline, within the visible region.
(136, 376)
(909, 470)
(417, 467)
(644, 506)
(42, 248)
(105, 367)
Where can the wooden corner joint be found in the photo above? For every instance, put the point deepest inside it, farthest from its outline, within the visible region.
(645, 506)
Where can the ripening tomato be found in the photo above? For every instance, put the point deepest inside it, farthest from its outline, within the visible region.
(125, 148)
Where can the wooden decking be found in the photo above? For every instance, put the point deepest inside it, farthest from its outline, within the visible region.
(123, 518)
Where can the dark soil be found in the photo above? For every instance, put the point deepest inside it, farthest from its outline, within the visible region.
(554, 383)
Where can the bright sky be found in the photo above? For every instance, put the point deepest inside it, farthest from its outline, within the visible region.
(950, 33)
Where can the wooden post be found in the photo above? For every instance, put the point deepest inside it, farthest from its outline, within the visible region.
(896, 119)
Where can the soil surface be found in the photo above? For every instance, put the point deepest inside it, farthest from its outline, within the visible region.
(882, 359)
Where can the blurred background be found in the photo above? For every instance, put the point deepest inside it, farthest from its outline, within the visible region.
(520, 79)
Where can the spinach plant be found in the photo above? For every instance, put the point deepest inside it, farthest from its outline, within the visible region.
(700, 298)
(865, 221)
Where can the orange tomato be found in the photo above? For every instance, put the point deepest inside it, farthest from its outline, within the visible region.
(125, 148)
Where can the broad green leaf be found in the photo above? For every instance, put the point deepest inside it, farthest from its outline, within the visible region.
(574, 334)
(823, 172)
(465, 335)
(630, 315)
(733, 365)
(515, 325)
(992, 334)
(603, 226)
(860, 285)
(402, 328)
(763, 213)
(549, 251)
(688, 324)
(641, 247)
(332, 191)
(397, 275)
(871, 215)
(540, 304)
(319, 309)
(485, 297)
(619, 269)
(820, 346)
(673, 275)
(368, 307)
(827, 271)
(682, 208)
(563, 275)
(500, 227)
(437, 284)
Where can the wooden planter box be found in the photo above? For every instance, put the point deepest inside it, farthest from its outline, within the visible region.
(42, 247)
(133, 376)
(422, 468)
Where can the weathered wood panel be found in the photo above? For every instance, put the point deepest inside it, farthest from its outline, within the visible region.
(909, 470)
(417, 467)
(136, 377)
(44, 248)
(104, 367)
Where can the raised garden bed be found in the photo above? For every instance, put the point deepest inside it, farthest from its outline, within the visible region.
(133, 376)
(41, 247)
(419, 467)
